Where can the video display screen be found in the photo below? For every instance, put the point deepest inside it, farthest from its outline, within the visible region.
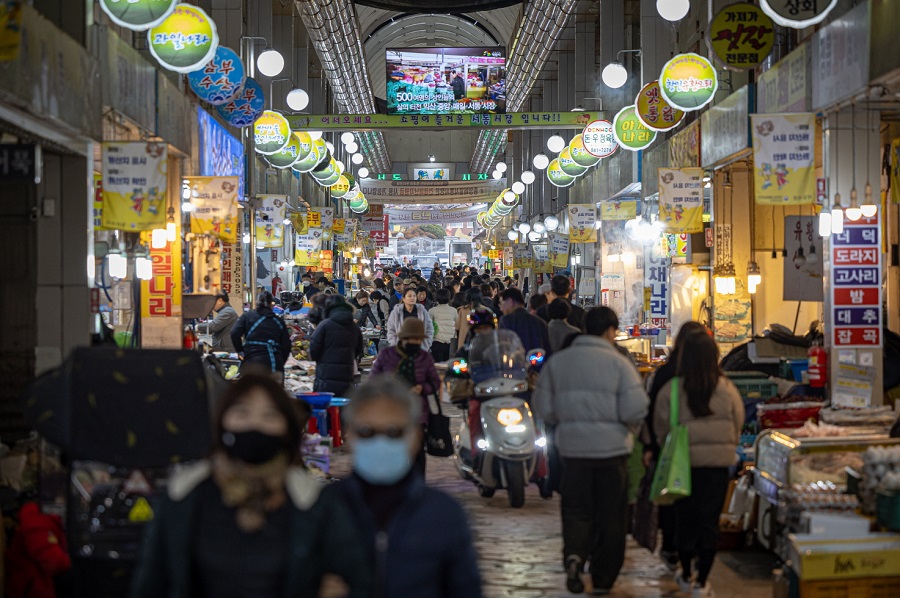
(446, 80)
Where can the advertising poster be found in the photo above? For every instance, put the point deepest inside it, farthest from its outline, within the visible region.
(784, 158)
(856, 284)
(741, 35)
(803, 266)
(214, 206)
(582, 223)
(270, 221)
(540, 258)
(445, 80)
(618, 209)
(558, 244)
(306, 248)
(134, 185)
(681, 199)
(509, 257)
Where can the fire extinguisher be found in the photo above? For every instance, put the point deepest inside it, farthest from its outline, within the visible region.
(189, 341)
(818, 365)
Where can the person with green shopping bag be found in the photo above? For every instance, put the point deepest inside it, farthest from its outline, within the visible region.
(710, 407)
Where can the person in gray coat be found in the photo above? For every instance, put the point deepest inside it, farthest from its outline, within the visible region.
(220, 326)
(594, 397)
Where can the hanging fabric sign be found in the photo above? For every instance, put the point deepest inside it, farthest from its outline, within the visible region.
(688, 82)
(582, 221)
(271, 132)
(134, 185)
(306, 251)
(797, 14)
(522, 257)
(185, 41)
(339, 226)
(784, 158)
(630, 132)
(138, 15)
(161, 296)
(656, 281)
(540, 257)
(270, 221)
(298, 221)
(741, 36)
(246, 107)
(214, 206)
(618, 209)
(325, 218)
(681, 199)
(558, 244)
(654, 111)
(221, 80)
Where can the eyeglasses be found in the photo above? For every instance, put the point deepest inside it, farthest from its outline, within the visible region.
(394, 432)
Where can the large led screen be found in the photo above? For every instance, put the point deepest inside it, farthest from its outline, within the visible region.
(445, 80)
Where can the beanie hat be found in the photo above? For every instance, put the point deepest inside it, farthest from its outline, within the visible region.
(411, 328)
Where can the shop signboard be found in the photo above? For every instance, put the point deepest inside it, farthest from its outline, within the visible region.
(581, 155)
(684, 147)
(161, 295)
(233, 266)
(840, 58)
(856, 284)
(681, 199)
(522, 258)
(786, 87)
(20, 162)
(784, 167)
(138, 15)
(430, 192)
(798, 14)
(656, 281)
(540, 257)
(568, 165)
(270, 221)
(508, 258)
(221, 79)
(582, 221)
(895, 170)
(725, 128)
(557, 176)
(214, 206)
(246, 107)
(630, 132)
(654, 111)
(185, 40)
(11, 30)
(511, 120)
(741, 36)
(676, 246)
(271, 132)
(134, 185)
(598, 139)
(558, 245)
(688, 82)
(342, 186)
(803, 266)
(618, 209)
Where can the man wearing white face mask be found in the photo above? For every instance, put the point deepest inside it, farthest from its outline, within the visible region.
(417, 537)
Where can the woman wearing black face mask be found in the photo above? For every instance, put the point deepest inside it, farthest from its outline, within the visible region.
(239, 523)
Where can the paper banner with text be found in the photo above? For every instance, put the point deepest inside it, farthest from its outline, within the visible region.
(784, 158)
(681, 199)
(270, 221)
(582, 223)
(431, 192)
(558, 244)
(522, 257)
(134, 185)
(618, 209)
(214, 208)
(306, 249)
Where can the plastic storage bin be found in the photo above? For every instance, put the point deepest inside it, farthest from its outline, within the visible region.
(753, 385)
(316, 400)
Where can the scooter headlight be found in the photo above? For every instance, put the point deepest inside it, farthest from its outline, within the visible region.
(509, 417)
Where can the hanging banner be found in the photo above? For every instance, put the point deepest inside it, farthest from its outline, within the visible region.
(598, 139)
(134, 185)
(271, 132)
(582, 223)
(796, 14)
(784, 158)
(895, 171)
(618, 209)
(246, 107)
(161, 295)
(512, 120)
(430, 192)
(656, 281)
(803, 266)
(741, 36)
(403, 216)
(221, 80)
(138, 15)
(306, 249)
(688, 82)
(684, 147)
(558, 245)
(339, 226)
(298, 222)
(509, 257)
(522, 257)
(654, 111)
(270, 221)
(540, 258)
(214, 210)
(10, 30)
(325, 218)
(185, 40)
(681, 199)
(233, 266)
(630, 132)
(856, 285)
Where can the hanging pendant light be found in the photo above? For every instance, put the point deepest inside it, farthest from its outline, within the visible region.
(754, 277)
(539, 226)
(527, 177)
(541, 161)
(868, 208)
(551, 222)
(556, 143)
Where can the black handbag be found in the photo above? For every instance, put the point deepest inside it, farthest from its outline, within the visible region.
(438, 442)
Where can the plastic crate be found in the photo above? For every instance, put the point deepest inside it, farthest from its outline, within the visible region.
(753, 385)
(873, 587)
(887, 511)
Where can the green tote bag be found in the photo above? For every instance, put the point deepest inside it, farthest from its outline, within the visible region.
(672, 479)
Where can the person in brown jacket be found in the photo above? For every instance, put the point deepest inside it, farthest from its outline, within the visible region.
(711, 407)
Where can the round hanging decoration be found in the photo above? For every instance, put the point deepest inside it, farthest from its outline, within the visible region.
(353, 193)
(185, 40)
(361, 208)
(479, 218)
(341, 187)
(688, 82)
(271, 132)
(288, 156)
(324, 153)
(556, 175)
(654, 111)
(630, 132)
(324, 170)
(221, 80)
(741, 36)
(598, 139)
(335, 176)
(309, 154)
(579, 153)
(358, 203)
(568, 165)
(798, 15)
(138, 15)
(246, 107)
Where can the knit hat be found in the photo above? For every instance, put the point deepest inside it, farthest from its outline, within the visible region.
(411, 328)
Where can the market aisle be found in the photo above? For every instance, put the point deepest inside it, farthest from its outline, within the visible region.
(520, 548)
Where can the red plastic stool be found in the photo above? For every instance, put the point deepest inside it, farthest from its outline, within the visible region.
(334, 425)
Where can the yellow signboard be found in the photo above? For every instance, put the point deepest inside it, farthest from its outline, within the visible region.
(161, 295)
(339, 226)
(654, 111)
(681, 200)
(688, 82)
(134, 185)
(314, 219)
(582, 223)
(741, 35)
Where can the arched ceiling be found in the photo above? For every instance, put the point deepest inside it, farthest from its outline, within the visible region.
(437, 5)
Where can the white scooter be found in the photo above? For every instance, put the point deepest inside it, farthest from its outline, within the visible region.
(508, 443)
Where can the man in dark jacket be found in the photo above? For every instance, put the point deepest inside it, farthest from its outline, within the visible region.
(397, 294)
(417, 537)
(531, 329)
(560, 286)
(458, 84)
(335, 346)
(261, 336)
(220, 326)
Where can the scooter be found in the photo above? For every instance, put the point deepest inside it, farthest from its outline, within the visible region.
(507, 442)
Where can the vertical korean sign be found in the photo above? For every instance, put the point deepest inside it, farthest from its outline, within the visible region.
(270, 221)
(233, 266)
(681, 199)
(656, 279)
(161, 295)
(784, 158)
(856, 284)
(134, 185)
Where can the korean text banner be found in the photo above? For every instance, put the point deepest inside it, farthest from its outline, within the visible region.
(681, 199)
(306, 251)
(522, 257)
(784, 158)
(325, 217)
(558, 244)
(618, 209)
(401, 216)
(270, 221)
(512, 120)
(161, 295)
(431, 192)
(214, 206)
(582, 221)
(134, 185)
(541, 258)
